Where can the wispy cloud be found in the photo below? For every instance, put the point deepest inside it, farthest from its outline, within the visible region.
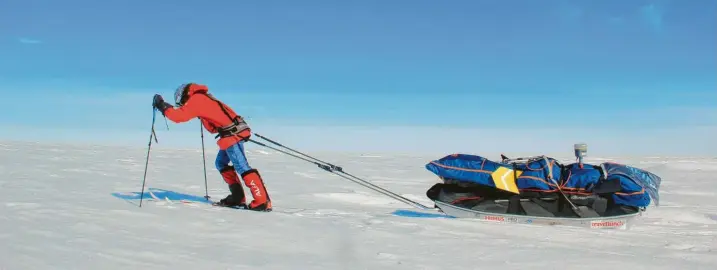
(652, 15)
(29, 41)
(570, 11)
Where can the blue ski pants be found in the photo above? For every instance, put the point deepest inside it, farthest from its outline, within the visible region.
(235, 155)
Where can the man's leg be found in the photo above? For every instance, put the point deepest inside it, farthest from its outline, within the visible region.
(251, 178)
(237, 197)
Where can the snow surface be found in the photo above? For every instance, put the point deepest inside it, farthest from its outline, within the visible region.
(57, 212)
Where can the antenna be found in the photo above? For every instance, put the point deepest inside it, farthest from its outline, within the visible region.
(581, 150)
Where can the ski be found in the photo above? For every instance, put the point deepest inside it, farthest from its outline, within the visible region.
(217, 204)
(168, 197)
(172, 197)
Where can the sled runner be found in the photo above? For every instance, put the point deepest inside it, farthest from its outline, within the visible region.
(541, 190)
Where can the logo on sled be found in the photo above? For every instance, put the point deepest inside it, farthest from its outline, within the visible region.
(607, 224)
(494, 218)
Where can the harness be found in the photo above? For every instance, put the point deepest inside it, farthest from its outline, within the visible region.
(237, 126)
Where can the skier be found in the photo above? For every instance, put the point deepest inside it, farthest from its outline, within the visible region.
(194, 100)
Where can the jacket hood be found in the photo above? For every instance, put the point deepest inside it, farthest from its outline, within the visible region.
(194, 88)
(183, 92)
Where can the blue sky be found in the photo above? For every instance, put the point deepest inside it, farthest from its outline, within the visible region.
(442, 76)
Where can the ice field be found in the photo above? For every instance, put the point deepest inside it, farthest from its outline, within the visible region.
(57, 211)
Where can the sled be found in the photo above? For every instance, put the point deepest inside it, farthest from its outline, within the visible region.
(541, 190)
(612, 222)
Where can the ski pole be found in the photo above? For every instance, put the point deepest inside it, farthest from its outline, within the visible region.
(333, 169)
(149, 147)
(204, 161)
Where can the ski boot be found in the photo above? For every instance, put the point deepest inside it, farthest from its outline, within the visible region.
(237, 197)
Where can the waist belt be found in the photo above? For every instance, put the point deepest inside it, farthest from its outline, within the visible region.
(237, 126)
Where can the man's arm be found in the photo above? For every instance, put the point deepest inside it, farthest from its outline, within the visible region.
(178, 115)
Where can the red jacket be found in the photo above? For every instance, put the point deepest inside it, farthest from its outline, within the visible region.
(208, 109)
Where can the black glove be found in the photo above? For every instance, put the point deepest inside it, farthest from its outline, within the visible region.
(159, 104)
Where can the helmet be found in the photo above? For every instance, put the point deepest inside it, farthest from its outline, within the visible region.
(180, 95)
